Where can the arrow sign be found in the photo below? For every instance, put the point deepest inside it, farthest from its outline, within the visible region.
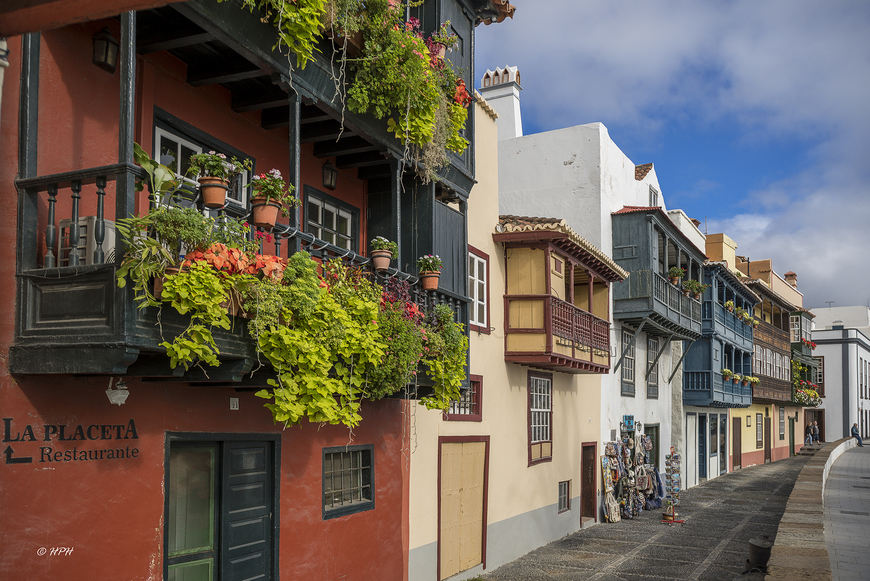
(10, 460)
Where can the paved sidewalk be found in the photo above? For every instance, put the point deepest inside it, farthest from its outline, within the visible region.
(847, 515)
(721, 516)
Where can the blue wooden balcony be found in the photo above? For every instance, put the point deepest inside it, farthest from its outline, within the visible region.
(646, 296)
(710, 389)
(717, 320)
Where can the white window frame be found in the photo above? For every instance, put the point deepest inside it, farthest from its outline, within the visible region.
(652, 381)
(564, 496)
(338, 212)
(759, 360)
(540, 408)
(478, 265)
(628, 359)
(795, 328)
(239, 185)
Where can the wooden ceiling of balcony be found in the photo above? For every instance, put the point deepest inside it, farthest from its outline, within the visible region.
(210, 61)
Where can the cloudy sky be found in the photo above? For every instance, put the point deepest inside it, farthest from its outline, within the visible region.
(755, 114)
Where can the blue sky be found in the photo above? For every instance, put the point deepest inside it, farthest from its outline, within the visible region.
(755, 114)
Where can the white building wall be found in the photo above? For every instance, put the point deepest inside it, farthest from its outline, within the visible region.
(846, 401)
(581, 175)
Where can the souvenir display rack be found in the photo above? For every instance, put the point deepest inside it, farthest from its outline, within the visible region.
(673, 486)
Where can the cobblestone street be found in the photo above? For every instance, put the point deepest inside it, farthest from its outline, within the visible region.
(720, 517)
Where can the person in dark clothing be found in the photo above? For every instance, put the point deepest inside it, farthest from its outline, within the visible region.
(808, 435)
(856, 435)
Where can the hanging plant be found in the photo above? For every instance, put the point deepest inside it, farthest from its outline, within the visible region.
(298, 23)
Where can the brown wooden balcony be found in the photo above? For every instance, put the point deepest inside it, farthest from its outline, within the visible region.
(770, 390)
(547, 332)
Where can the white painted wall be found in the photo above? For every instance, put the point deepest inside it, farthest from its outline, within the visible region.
(581, 175)
(843, 351)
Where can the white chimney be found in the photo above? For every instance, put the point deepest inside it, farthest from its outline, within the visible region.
(501, 89)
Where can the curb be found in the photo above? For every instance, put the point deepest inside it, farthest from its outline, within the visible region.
(799, 551)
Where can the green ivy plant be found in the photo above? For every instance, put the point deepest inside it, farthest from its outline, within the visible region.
(445, 352)
(197, 291)
(322, 355)
(298, 23)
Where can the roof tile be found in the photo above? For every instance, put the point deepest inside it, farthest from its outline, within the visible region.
(510, 223)
(640, 171)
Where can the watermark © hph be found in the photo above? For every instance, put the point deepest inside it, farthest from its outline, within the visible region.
(52, 551)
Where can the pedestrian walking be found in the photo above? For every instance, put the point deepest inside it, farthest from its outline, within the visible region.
(808, 435)
(815, 432)
(856, 435)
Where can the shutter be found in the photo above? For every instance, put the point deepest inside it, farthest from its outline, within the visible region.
(246, 511)
(450, 246)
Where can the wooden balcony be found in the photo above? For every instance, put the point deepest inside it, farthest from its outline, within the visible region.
(710, 389)
(647, 297)
(770, 390)
(719, 321)
(546, 332)
(73, 319)
(767, 335)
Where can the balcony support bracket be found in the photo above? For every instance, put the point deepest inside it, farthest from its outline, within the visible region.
(625, 348)
(677, 366)
(659, 355)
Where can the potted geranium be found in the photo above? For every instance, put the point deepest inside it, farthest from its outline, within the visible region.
(727, 374)
(754, 380)
(271, 193)
(214, 171)
(740, 312)
(730, 306)
(675, 273)
(382, 252)
(430, 270)
(441, 41)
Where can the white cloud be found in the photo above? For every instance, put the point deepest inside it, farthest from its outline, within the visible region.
(777, 70)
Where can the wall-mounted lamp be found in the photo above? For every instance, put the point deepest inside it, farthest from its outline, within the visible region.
(105, 51)
(330, 176)
(748, 421)
(117, 396)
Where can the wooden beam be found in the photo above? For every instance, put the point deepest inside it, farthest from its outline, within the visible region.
(212, 74)
(176, 35)
(275, 117)
(20, 16)
(322, 131)
(344, 146)
(360, 159)
(371, 172)
(259, 100)
(312, 114)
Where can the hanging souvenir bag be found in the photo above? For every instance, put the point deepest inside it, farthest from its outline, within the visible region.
(611, 508)
(647, 443)
(610, 449)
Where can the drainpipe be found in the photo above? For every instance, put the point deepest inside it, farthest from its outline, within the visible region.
(4, 62)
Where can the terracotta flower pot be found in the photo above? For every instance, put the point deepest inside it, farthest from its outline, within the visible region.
(214, 191)
(429, 279)
(675, 280)
(158, 281)
(735, 380)
(686, 292)
(381, 260)
(745, 382)
(264, 213)
(697, 296)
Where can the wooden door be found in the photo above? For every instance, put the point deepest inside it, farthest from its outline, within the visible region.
(246, 514)
(461, 516)
(587, 486)
(767, 424)
(736, 444)
(791, 436)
